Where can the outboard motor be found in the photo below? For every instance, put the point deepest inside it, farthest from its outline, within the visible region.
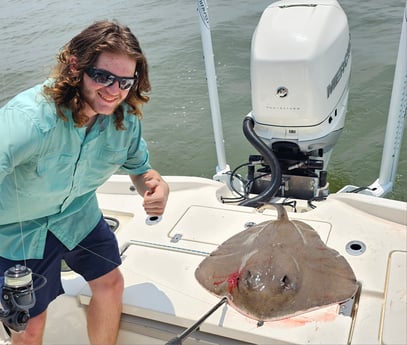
(300, 72)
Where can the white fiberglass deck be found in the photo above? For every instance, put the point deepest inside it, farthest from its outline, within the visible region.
(159, 262)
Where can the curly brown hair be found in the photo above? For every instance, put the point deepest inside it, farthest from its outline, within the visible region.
(102, 36)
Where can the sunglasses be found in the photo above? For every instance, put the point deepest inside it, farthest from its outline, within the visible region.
(106, 78)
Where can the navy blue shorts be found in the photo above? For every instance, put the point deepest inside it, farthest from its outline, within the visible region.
(95, 256)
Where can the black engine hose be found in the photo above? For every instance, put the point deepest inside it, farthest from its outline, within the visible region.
(271, 160)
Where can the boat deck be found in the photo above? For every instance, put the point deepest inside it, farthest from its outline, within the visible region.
(162, 297)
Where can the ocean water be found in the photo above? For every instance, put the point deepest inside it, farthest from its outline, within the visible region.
(177, 122)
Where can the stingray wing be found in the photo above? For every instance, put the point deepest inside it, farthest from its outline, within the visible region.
(327, 278)
(219, 271)
(277, 269)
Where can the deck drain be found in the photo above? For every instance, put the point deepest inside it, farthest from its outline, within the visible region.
(151, 220)
(355, 248)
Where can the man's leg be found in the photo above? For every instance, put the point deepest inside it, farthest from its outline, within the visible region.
(97, 258)
(33, 333)
(105, 308)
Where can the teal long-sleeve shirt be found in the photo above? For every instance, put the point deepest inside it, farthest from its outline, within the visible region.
(50, 170)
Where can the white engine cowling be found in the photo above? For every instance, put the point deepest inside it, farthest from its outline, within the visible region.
(300, 72)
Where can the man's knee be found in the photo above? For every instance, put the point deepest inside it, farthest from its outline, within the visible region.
(110, 283)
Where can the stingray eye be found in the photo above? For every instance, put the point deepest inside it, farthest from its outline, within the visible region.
(286, 284)
(248, 279)
(253, 280)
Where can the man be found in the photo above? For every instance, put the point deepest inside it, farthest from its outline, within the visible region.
(59, 142)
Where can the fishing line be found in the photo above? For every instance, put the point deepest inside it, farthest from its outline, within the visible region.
(18, 207)
(117, 264)
(23, 309)
(101, 256)
(17, 286)
(146, 277)
(14, 313)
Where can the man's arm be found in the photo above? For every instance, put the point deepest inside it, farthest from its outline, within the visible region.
(154, 189)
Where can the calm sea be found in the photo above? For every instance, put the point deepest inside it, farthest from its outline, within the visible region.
(177, 122)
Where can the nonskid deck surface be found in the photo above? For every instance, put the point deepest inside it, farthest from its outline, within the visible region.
(159, 260)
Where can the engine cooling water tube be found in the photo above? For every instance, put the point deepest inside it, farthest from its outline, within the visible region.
(270, 159)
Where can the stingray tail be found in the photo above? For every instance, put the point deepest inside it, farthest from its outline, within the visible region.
(281, 212)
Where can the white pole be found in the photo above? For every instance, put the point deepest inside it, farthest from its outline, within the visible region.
(202, 8)
(395, 121)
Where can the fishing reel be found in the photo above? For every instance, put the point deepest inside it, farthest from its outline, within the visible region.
(17, 297)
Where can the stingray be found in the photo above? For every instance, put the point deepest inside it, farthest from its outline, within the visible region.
(277, 269)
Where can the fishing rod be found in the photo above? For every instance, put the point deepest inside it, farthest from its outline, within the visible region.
(180, 338)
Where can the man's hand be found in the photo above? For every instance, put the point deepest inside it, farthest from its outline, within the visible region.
(154, 190)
